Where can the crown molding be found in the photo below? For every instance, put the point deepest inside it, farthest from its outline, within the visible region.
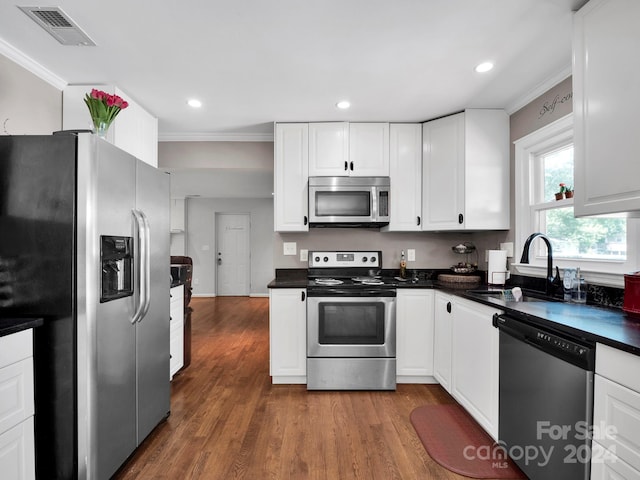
(31, 65)
(541, 88)
(215, 137)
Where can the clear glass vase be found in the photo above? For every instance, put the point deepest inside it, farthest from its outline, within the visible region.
(101, 128)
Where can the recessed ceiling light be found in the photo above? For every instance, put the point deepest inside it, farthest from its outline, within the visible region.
(194, 103)
(343, 105)
(484, 67)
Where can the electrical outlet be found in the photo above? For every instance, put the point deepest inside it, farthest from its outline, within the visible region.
(304, 255)
(205, 248)
(196, 281)
(289, 248)
(411, 254)
(508, 246)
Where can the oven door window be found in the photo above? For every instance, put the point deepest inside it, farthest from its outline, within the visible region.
(343, 204)
(351, 324)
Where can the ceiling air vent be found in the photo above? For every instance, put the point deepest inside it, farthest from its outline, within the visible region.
(59, 25)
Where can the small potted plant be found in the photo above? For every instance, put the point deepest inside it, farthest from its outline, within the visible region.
(568, 192)
(560, 194)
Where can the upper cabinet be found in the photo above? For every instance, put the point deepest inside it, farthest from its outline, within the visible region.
(177, 215)
(348, 149)
(291, 173)
(405, 172)
(134, 130)
(466, 171)
(605, 105)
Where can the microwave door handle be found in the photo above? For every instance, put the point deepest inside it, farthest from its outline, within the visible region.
(140, 254)
(374, 204)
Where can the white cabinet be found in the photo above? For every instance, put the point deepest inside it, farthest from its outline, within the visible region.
(474, 357)
(328, 149)
(17, 444)
(466, 356)
(605, 105)
(288, 335)
(134, 130)
(291, 173)
(177, 215)
(616, 414)
(343, 149)
(466, 171)
(443, 329)
(405, 173)
(369, 149)
(414, 335)
(176, 330)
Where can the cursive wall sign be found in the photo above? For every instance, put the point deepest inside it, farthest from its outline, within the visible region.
(549, 107)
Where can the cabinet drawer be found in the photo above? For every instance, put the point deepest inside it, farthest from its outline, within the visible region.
(605, 465)
(16, 347)
(621, 367)
(616, 419)
(17, 452)
(16, 393)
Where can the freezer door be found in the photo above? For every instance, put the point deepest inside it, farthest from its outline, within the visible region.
(152, 338)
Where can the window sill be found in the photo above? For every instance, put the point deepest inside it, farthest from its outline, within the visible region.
(594, 277)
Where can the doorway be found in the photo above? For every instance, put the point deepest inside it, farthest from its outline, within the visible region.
(233, 268)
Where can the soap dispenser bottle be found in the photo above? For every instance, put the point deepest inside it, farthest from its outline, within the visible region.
(403, 265)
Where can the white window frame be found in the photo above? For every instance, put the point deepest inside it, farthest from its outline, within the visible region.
(527, 148)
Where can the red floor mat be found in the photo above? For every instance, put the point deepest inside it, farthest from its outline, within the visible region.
(454, 440)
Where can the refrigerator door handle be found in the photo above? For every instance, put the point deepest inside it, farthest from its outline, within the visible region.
(147, 265)
(142, 255)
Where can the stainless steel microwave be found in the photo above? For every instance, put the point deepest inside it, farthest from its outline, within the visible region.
(348, 201)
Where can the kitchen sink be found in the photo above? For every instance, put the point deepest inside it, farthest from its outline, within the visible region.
(506, 296)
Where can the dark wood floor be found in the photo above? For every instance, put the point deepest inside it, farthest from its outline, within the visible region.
(227, 421)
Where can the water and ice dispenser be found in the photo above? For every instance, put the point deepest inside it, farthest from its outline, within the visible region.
(116, 258)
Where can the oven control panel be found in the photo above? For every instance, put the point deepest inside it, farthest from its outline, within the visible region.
(345, 259)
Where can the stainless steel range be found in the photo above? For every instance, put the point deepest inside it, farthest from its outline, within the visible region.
(351, 322)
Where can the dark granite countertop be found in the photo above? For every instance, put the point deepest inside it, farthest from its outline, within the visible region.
(611, 326)
(11, 325)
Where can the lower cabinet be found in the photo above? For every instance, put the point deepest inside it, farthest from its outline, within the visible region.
(17, 446)
(414, 336)
(466, 356)
(288, 335)
(616, 415)
(176, 330)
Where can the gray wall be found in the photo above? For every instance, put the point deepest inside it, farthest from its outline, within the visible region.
(201, 240)
(28, 105)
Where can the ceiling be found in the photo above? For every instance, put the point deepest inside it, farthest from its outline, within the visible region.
(253, 62)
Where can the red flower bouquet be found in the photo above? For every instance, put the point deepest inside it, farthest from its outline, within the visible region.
(103, 108)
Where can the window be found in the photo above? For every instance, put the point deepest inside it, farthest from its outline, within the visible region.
(601, 246)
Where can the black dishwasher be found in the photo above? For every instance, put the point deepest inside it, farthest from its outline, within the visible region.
(546, 399)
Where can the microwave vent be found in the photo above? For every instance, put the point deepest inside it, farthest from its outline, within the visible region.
(59, 25)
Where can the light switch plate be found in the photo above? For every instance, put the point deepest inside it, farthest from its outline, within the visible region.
(289, 248)
(411, 255)
(304, 255)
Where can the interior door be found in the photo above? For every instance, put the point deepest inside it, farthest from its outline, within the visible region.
(233, 254)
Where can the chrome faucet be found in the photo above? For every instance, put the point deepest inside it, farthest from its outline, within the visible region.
(551, 281)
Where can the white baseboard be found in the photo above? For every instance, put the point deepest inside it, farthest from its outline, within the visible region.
(203, 295)
(259, 295)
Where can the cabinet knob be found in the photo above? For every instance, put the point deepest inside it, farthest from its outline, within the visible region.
(460, 219)
(351, 166)
(306, 220)
(346, 166)
(418, 217)
(448, 307)
(303, 296)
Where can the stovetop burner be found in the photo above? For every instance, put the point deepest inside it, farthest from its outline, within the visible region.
(328, 281)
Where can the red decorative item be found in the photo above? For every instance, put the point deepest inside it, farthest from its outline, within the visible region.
(631, 303)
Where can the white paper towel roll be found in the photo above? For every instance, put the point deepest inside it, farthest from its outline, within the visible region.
(497, 270)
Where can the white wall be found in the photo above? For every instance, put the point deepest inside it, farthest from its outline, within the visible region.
(201, 240)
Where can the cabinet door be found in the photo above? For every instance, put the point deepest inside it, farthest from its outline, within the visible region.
(176, 330)
(605, 106)
(443, 174)
(443, 328)
(414, 335)
(291, 172)
(369, 149)
(288, 335)
(328, 149)
(405, 172)
(474, 379)
(17, 452)
(177, 215)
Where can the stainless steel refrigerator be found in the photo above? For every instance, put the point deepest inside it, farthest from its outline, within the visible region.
(84, 243)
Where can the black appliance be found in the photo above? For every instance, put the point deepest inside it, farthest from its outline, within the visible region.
(182, 272)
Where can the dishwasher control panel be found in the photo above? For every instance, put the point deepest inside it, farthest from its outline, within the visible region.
(561, 343)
